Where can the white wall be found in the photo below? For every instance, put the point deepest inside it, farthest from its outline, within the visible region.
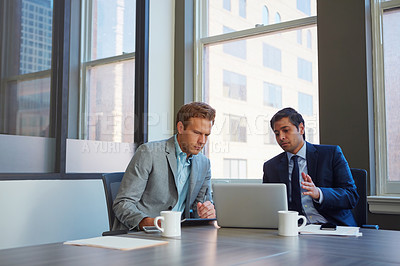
(46, 211)
(161, 69)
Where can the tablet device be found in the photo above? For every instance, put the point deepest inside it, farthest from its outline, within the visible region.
(196, 221)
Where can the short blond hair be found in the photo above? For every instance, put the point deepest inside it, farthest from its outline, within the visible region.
(195, 109)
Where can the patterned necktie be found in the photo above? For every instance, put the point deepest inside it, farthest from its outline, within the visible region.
(296, 197)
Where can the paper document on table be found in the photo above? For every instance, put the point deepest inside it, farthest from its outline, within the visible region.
(314, 229)
(115, 242)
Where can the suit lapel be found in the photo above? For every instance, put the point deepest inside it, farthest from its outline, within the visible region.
(312, 159)
(283, 169)
(171, 157)
(193, 176)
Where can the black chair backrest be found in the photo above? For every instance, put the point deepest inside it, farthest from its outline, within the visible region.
(360, 211)
(111, 184)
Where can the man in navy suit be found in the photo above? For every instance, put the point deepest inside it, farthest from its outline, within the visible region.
(318, 178)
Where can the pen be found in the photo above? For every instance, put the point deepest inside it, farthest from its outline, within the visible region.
(205, 196)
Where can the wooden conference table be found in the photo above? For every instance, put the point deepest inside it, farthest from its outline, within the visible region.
(207, 245)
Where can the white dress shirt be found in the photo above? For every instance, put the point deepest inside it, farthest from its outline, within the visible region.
(313, 216)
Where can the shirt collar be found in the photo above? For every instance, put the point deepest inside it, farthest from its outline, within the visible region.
(301, 153)
(179, 152)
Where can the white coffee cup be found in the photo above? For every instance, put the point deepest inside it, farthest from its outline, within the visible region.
(288, 223)
(170, 223)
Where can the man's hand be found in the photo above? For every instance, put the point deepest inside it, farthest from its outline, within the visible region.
(148, 222)
(308, 185)
(206, 210)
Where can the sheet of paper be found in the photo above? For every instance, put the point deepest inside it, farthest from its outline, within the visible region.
(115, 242)
(313, 229)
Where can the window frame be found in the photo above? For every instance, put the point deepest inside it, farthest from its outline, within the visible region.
(384, 187)
(202, 39)
(87, 62)
(64, 54)
(238, 160)
(6, 46)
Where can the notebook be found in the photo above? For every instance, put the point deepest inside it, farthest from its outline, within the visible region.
(249, 205)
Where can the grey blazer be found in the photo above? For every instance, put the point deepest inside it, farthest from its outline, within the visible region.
(149, 184)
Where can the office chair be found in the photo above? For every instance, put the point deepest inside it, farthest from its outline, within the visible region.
(361, 209)
(111, 182)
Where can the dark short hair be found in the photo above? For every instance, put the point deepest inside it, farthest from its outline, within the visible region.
(195, 109)
(294, 117)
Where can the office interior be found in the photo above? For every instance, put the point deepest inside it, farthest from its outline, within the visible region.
(46, 208)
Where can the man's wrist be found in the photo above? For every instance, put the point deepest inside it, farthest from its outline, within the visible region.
(321, 196)
(147, 221)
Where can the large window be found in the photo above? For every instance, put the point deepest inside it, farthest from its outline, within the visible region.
(67, 102)
(250, 89)
(26, 103)
(386, 83)
(108, 62)
(25, 77)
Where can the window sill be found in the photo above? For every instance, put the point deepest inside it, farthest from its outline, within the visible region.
(384, 204)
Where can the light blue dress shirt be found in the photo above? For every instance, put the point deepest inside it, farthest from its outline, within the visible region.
(313, 216)
(182, 176)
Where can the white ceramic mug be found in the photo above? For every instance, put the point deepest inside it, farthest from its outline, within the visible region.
(170, 223)
(288, 223)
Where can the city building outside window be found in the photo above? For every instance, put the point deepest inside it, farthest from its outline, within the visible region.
(309, 40)
(237, 49)
(300, 37)
(305, 104)
(277, 18)
(272, 57)
(269, 137)
(235, 86)
(25, 79)
(107, 71)
(236, 128)
(304, 69)
(242, 8)
(265, 14)
(304, 6)
(269, 69)
(227, 4)
(235, 168)
(272, 95)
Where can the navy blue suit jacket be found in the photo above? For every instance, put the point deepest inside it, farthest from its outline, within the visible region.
(329, 171)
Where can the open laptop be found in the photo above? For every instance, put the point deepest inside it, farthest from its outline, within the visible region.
(249, 205)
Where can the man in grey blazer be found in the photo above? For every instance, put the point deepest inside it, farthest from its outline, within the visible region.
(170, 174)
